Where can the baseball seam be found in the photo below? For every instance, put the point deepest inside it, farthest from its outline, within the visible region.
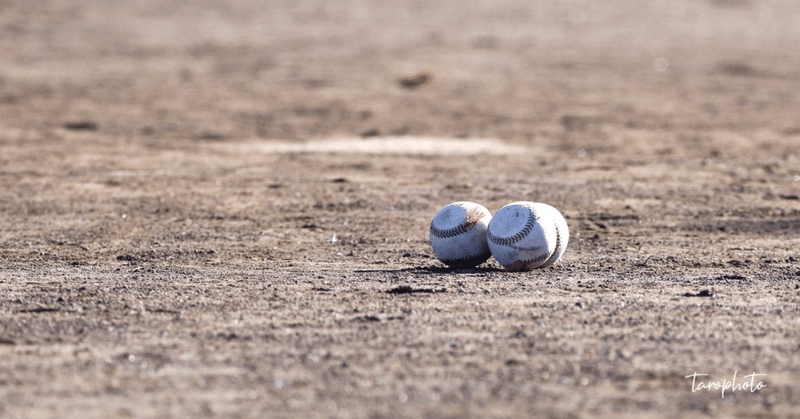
(451, 232)
(558, 239)
(521, 264)
(536, 259)
(473, 216)
(505, 241)
(556, 248)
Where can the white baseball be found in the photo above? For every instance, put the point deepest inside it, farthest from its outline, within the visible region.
(458, 234)
(523, 236)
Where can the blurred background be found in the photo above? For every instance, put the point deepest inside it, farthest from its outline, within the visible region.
(555, 70)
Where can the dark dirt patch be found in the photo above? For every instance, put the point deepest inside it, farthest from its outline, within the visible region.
(701, 293)
(406, 289)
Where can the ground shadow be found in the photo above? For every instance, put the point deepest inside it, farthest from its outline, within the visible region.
(438, 270)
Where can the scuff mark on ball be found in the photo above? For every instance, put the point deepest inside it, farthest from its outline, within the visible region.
(473, 217)
(517, 266)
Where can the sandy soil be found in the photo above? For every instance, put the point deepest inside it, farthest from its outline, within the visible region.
(221, 209)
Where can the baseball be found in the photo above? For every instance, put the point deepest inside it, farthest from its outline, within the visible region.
(527, 235)
(458, 234)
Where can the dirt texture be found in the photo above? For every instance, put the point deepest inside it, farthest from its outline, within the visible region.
(221, 208)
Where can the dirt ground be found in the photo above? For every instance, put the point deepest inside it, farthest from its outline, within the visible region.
(221, 208)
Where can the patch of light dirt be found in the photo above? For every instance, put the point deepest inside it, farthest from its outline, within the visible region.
(382, 145)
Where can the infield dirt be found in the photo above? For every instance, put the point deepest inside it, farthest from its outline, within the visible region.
(221, 209)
